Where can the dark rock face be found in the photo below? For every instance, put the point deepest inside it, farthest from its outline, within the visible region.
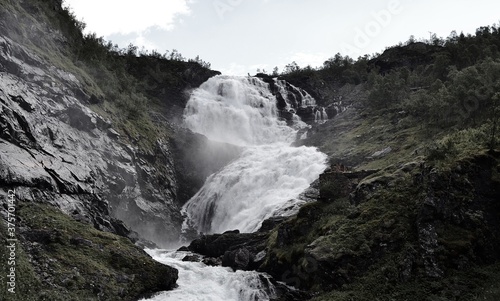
(238, 259)
(216, 245)
(290, 99)
(243, 251)
(52, 142)
(464, 200)
(429, 224)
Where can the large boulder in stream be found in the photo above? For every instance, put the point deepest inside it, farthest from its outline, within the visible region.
(241, 251)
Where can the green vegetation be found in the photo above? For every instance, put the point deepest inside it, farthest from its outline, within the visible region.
(374, 243)
(425, 114)
(70, 260)
(436, 98)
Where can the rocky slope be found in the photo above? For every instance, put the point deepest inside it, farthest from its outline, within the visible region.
(82, 174)
(408, 232)
(59, 258)
(409, 209)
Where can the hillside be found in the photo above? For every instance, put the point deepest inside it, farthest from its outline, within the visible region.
(409, 208)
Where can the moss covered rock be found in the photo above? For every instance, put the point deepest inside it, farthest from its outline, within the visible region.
(59, 258)
(420, 233)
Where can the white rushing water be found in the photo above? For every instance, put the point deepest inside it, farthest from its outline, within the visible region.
(236, 110)
(264, 181)
(199, 282)
(269, 175)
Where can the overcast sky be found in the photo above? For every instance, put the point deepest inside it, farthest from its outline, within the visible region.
(239, 36)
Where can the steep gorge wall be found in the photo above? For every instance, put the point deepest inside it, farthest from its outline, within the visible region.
(56, 149)
(80, 162)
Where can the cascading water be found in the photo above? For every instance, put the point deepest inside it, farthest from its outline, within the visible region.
(264, 181)
(199, 282)
(320, 116)
(268, 176)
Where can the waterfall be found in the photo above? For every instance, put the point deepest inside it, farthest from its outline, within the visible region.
(293, 96)
(264, 181)
(236, 110)
(320, 116)
(269, 175)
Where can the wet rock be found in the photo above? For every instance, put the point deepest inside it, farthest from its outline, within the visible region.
(82, 118)
(193, 258)
(238, 259)
(23, 103)
(53, 142)
(287, 115)
(237, 250)
(113, 134)
(306, 113)
(212, 261)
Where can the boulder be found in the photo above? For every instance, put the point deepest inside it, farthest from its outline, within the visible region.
(239, 259)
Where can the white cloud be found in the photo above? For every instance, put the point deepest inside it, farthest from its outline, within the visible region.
(106, 17)
(307, 58)
(140, 41)
(242, 70)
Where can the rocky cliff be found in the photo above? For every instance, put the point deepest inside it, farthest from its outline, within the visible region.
(408, 232)
(85, 163)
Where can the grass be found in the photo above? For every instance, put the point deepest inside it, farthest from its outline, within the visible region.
(79, 262)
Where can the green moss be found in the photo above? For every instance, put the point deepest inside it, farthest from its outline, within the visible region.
(479, 283)
(27, 282)
(373, 251)
(69, 260)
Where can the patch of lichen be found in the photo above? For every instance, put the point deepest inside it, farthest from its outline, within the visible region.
(63, 259)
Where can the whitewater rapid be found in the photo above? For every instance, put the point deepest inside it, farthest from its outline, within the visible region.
(264, 181)
(199, 282)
